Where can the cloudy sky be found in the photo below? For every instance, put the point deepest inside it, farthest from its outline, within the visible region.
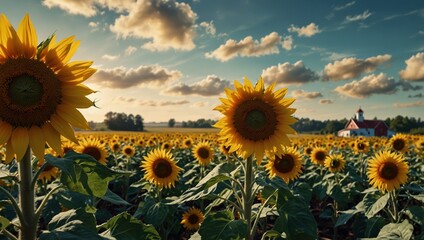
(173, 59)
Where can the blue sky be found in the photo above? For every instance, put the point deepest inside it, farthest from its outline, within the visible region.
(173, 59)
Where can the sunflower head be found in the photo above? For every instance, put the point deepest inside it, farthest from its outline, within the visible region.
(286, 164)
(362, 146)
(399, 143)
(203, 152)
(256, 119)
(40, 90)
(224, 149)
(49, 172)
(93, 148)
(318, 155)
(334, 162)
(387, 171)
(192, 219)
(128, 150)
(160, 168)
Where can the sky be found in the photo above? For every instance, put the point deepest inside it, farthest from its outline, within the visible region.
(173, 59)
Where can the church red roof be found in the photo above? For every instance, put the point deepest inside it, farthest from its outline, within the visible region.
(369, 123)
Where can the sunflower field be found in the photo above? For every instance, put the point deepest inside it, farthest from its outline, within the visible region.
(255, 178)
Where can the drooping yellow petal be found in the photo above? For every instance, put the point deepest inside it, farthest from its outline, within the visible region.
(20, 141)
(63, 127)
(52, 137)
(73, 48)
(55, 56)
(78, 102)
(10, 154)
(76, 90)
(5, 132)
(28, 37)
(37, 142)
(72, 116)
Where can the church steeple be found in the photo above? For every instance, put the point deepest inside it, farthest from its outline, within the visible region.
(360, 115)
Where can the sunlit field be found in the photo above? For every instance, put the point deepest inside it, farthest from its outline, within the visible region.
(322, 201)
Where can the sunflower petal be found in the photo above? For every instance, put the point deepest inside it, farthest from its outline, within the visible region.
(63, 128)
(28, 37)
(20, 141)
(5, 132)
(72, 116)
(37, 142)
(10, 154)
(52, 137)
(78, 102)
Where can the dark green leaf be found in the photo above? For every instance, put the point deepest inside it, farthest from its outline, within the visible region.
(374, 225)
(396, 231)
(114, 198)
(221, 225)
(75, 229)
(123, 227)
(416, 214)
(153, 212)
(377, 206)
(4, 223)
(345, 216)
(74, 214)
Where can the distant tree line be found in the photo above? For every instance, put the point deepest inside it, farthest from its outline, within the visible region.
(398, 124)
(123, 122)
(200, 123)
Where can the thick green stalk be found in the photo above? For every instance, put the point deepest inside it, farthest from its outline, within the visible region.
(26, 198)
(248, 198)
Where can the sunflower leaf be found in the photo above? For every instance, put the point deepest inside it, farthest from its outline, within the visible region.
(221, 225)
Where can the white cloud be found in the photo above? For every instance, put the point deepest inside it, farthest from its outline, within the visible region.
(414, 70)
(117, 5)
(410, 104)
(339, 8)
(326, 101)
(154, 103)
(303, 94)
(369, 85)
(353, 67)
(248, 47)
(75, 7)
(110, 57)
(93, 24)
(121, 77)
(201, 104)
(287, 73)
(130, 50)
(209, 27)
(287, 43)
(212, 85)
(360, 17)
(306, 31)
(168, 24)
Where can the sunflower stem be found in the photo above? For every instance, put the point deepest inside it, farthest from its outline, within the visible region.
(393, 202)
(8, 234)
(27, 198)
(335, 209)
(248, 198)
(14, 204)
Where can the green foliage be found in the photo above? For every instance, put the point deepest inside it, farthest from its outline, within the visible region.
(222, 225)
(200, 123)
(124, 122)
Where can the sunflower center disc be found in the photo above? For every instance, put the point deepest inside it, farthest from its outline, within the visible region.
(93, 151)
(284, 164)
(255, 120)
(128, 151)
(203, 152)
(398, 144)
(29, 92)
(361, 146)
(389, 171)
(25, 91)
(320, 156)
(335, 163)
(193, 219)
(162, 168)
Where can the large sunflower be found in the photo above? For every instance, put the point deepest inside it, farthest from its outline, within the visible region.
(387, 171)
(287, 164)
(192, 219)
(334, 162)
(40, 90)
(203, 152)
(94, 148)
(255, 119)
(160, 168)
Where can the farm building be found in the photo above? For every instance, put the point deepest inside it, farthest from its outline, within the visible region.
(358, 126)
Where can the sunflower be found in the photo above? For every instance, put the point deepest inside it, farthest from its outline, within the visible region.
(224, 149)
(362, 146)
(318, 155)
(128, 150)
(308, 150)
(399, 143)
(287, 164)
(387, 171)
(93, 148)
(255, 119)
(192, 219)
(115, 147)
(203, 152)
(160, 168)
(188, 142)
(334, 162)
(40, 90)
(167, 146)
